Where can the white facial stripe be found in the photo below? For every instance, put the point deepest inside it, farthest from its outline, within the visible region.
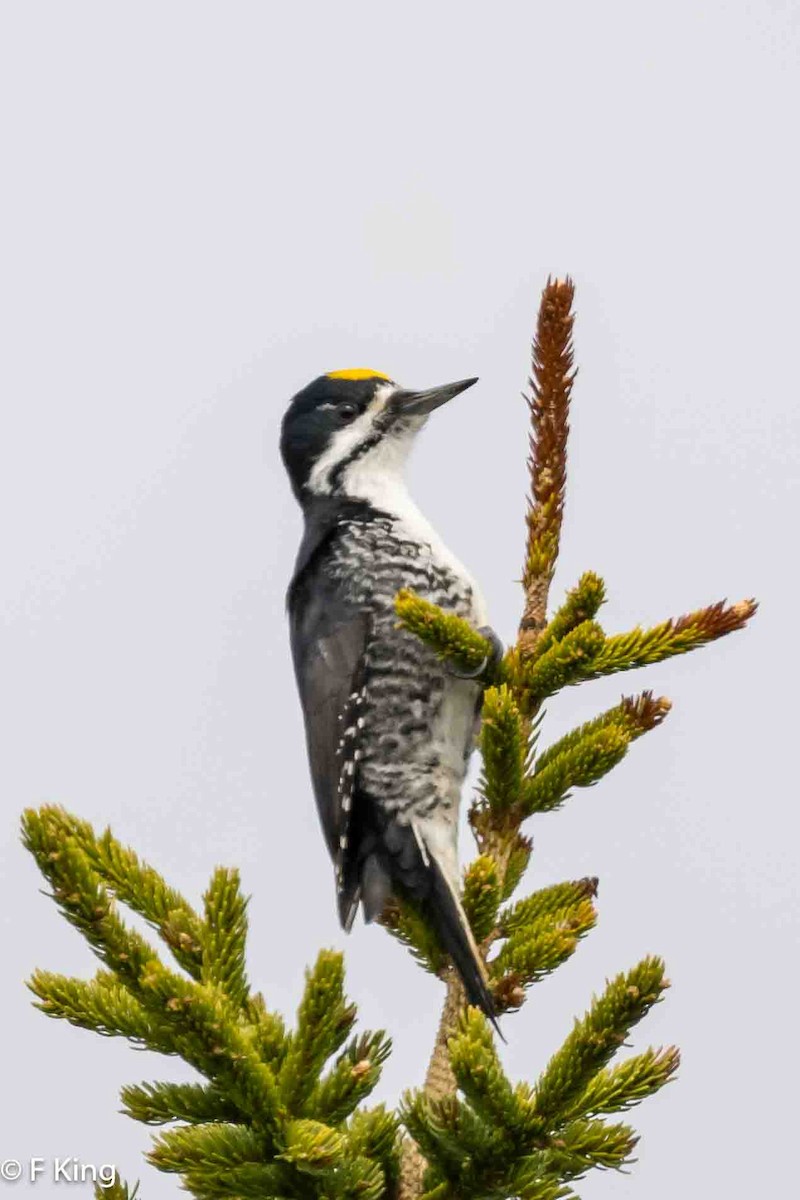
(345, 440)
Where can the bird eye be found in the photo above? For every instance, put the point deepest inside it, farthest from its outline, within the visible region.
(347, 411)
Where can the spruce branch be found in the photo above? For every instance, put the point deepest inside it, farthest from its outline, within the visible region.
(597, 1037)
(528, 1185)
(209, 1148)
(279, 1111)
(134, 883)
(225, 935)
(354, 1075)
(581, 765)
(565, 663)
(493, 1140)
(221, 1160)
(481, 895)
(430, 1121)
(162, 1103)
(586, 653)
(581, 604)
(535, 950)
(516, 854)
(459, 1146)
(519, 781)
(324, 1020)
(209, 1037)
(640, 647)
(266, 1119)
(549, 903)
(626, 1084)
(583, 1144)
(374, 1135)
(200, 1018)
(312, 1146)
(405, 922)
(103, 1005)
(550, 384)
(247, 1181)
(481, 1078)
(267, 1031)
(506, 745)
(116, 1190)
(86, 903)
(633, 716)
(461, 646)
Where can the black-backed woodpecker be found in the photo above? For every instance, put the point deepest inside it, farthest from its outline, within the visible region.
(389, 729)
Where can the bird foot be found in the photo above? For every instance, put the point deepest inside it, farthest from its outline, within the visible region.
(491, 660)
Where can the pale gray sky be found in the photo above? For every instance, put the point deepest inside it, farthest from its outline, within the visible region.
(206, 205)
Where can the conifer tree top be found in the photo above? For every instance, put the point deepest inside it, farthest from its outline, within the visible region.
(281, 1110)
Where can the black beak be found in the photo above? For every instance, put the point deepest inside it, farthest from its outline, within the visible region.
(419, 404)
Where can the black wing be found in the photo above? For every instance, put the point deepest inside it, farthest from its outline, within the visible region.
(328, 645)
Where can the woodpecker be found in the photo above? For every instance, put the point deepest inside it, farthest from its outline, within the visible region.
(389, 729)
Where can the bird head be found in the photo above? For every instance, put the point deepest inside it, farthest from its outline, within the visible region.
(348, 428)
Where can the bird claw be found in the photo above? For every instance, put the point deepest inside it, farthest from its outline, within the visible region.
(491, 660)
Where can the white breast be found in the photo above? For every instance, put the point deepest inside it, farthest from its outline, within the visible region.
(386, 490)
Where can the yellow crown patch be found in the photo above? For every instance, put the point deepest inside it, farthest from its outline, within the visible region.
(357, 373)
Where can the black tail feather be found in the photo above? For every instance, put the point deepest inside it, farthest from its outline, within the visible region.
(397, 858)
(449, 921)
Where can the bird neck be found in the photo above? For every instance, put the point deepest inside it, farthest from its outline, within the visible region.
(384, 491)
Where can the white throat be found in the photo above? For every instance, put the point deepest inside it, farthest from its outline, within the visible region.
(378, 479)
(379, 475)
